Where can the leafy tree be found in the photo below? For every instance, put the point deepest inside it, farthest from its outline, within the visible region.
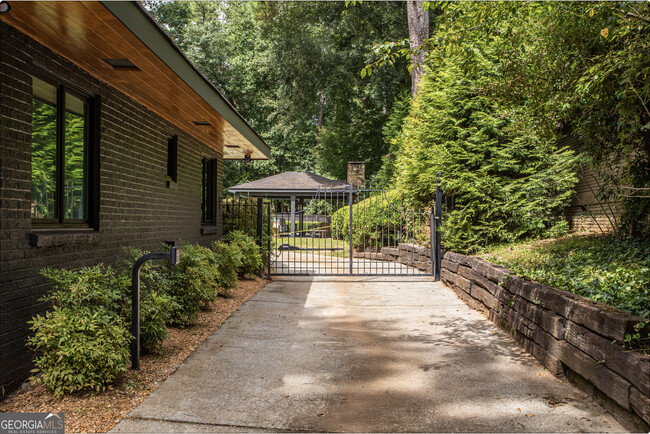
(575, 68)
(504, 185)
(292, 70)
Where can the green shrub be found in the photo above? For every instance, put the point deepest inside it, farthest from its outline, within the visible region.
(83, 343)
(229, 260)
(193, 283)
(156, 305)
(251, 259)
(380, 221)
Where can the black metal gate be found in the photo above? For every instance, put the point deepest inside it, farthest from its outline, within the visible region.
(353, 231)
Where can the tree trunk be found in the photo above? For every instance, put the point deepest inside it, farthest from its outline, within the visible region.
(418, 20)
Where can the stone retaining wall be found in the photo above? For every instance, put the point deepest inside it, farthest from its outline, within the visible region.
(407, 254)
(567, 333)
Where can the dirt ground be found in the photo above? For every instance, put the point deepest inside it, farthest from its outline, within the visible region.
(100, 412)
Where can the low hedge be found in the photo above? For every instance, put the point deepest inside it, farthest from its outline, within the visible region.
(251, 260)
(83, 342)
(381, 220)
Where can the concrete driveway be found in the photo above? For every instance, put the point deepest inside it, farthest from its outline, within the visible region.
(379, 354)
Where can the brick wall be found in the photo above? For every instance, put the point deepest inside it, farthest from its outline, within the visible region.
(586, 212)
(136, 206)
(567, 333)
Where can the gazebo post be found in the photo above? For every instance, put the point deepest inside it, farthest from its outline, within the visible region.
(293, 216)
(301, 216)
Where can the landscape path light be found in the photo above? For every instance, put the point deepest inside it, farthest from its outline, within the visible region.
(174, 256)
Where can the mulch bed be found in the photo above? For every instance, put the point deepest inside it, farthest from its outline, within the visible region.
(100, 412)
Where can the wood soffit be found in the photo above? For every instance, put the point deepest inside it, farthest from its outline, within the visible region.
(86, 33)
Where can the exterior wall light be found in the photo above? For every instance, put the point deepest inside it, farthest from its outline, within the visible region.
(173, 255)
(4, 7)
(247, 158)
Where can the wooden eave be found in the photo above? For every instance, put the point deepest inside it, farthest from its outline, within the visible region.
(165, 82)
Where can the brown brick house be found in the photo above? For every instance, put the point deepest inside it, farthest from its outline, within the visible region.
(109, 137)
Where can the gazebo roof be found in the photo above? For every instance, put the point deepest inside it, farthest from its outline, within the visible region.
(305, 184)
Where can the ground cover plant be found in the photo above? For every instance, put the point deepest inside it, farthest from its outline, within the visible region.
(612, 270)
(83, 342)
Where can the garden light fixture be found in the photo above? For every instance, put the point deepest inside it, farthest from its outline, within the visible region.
(174, 257)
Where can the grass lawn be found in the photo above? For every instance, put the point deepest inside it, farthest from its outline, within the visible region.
(318, 243)
(602, 268)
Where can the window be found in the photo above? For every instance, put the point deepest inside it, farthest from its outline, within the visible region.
(172, 159)
(61, 155)
(209, 192)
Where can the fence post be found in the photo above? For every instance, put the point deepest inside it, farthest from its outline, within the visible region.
(269, 230)
(260, 228)
(432, 239)
(438, 221)
(350, 206)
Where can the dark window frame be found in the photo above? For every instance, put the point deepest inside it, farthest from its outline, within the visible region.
(209, 192)
(172, 159)
(91, 151)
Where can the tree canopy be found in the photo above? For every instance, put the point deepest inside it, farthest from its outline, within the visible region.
(292, 70)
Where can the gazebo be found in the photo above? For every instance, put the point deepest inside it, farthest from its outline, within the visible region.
(293, 185)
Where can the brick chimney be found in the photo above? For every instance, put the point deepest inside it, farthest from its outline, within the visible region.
(356, 173)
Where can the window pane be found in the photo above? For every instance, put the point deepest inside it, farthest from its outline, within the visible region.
(204, 181)
(75, 149)
(44, 160)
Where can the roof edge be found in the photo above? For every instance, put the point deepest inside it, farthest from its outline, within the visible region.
(143, 26)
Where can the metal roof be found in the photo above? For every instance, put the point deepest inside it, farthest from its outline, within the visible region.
(291, 184)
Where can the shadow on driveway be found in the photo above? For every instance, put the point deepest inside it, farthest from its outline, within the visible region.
(363, 355)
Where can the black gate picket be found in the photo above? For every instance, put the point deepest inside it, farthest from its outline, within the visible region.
(353, 231)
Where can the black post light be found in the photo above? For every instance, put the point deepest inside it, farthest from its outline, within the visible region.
(174, 256)
(438, 220)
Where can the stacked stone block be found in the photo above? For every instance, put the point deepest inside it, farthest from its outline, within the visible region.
(567, 333)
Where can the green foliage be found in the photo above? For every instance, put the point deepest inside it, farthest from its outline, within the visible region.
(292, 70)
(575, 68)
(251, 258)
(82, 344)
(584, 66)
(229, 260)
(241, 215)
(392, 131)
(380, 220)
(639, 339)
(319, 207)
(505, 184)
(602, 268)
(193, 283)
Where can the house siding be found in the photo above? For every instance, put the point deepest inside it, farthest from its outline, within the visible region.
(136, 206)
(587, 213)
